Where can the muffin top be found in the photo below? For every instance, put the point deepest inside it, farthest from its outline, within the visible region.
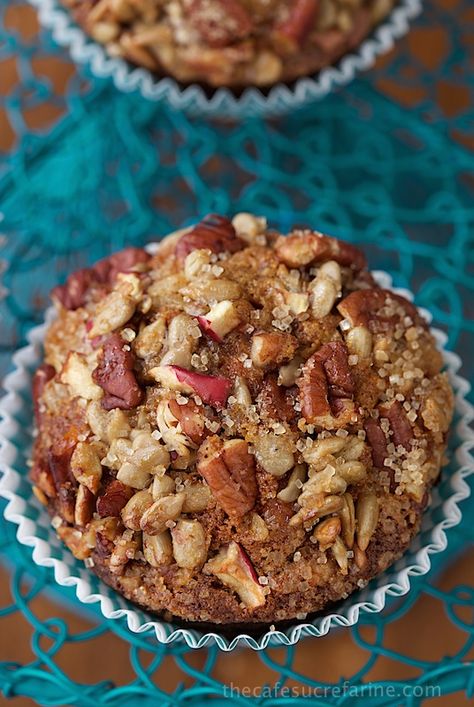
(230, 42)
(240, 427)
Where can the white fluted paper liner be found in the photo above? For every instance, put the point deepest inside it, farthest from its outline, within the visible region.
(223, 102)
(35, 530)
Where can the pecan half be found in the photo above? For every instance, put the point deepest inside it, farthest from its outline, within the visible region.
(43, 375)
(116, 377)
(300, 21)
(114, 498)
(326, 387)
(308, 247)
(377, 308)
(214, 233)
(229, 470)
(221, 22)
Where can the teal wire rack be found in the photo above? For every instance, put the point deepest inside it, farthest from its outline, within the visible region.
(388, 163)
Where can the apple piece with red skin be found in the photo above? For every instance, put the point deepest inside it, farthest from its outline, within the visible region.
(219, 321)
(213, 390)
(233, 567)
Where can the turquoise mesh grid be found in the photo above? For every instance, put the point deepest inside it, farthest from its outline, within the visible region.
(381, 163)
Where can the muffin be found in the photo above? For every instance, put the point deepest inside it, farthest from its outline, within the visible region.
(234, 43)
(240, 428)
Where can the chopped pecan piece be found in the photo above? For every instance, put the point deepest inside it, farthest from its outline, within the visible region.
(214, 233)
(191, 418)
(300, 21)
(377, 308)
(75, 541)
(116, 377)
(274, 401)
(377, 441)
(73, 294)
(402, 433)
(308, 247)
(114, 498)
(326, 387)
(221, 22)
(43, 375)
(229, 470)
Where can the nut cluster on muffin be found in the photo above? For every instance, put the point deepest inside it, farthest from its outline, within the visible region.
(230, 42)
(242, 427)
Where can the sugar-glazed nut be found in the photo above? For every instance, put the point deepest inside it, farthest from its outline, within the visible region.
(308, 247)
(359, 341)
(327, 532)
(197, 264)
(113, 499)
(274, 453)
(360, 557)
(348, 522)
(214, 233)
(229, 470)
(86, 466)
(133, 511)
(115, 310)
(316, 506)
(77, 375)
(75, 540)
(173, 436)
(234, 569)
(116, 376)
(325, 289)
(181, 342)
(84, 508)
(196, 498)
(126, 548)
(339, 552)
(270, 349)
(292, 490)
(377, 309)
(402, 432)
(189, 544)
(162, 486)
(161, 513)
(288, 374)
(130, 475)
(157, 549)
(249, 227)
(150, 338)
(367, 515)
(326, 387)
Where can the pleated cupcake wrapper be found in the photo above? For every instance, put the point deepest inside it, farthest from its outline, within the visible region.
(223, 103)
(35, 530)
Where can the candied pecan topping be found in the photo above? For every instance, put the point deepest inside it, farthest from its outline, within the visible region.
(366, 307)
(60, 467)
(214, 233)
(116, 377)
(192, 420)
(220, 22)
(308, 247)
(274, 401)
(43, 375)
(326, 382)
(377, 441)
(300, 21)
(114, 498)
(229, 470)
(402, 433)
(73, 294)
